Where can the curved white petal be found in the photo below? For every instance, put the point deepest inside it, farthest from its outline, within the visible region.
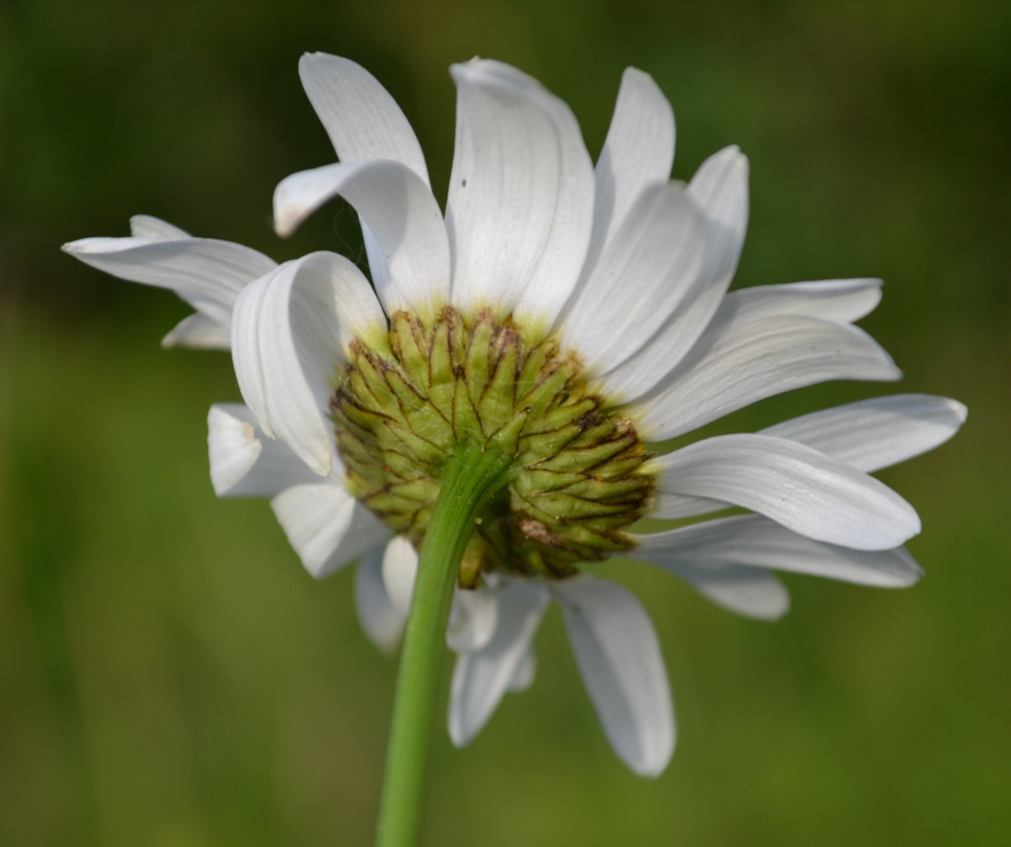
(200, 332)
(472, 619)
(400, 216)
(638, 151)
(244, 462)
(520, 205)
(725, 184)
(619, 657)
(361, 118)
(650, 265)
(525, 671)
(481, 678)
(877, 433)
(720, 187)
(147, 226)
(326, 526)
(675, 506)
(233, 446)
(748, 591)
(756, 542)
(382, 622)
(741, 362)
(400, 569)
(289, 332)
(845, 300)
(868, 435)
(192, 267)
(795, 485)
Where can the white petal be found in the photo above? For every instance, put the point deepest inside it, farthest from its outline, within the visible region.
(723, 184)
(795, 485)
(878, 433)
(400, 568)
(675, 506)
(756, 542)
(651, 263)
(326, 526)
(845, 300)
(480, 679)
(200, 332)
(525, 671)
(472, 619)
(399, 215)
(361, 118)
(638, 151)
(869, 435)
(233, 445)
(364, 122)
(217, 311)
(192, 267)
(146, 226)
(244, 462)
(739, 363)
(382, 621)
(520, 204)
(752, 592)
(289, 332)
(720, 187)
(618, 654)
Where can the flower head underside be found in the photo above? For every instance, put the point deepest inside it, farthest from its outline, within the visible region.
(570, 316)
(575, 481)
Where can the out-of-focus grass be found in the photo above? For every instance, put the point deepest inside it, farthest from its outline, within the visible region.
(169, 675)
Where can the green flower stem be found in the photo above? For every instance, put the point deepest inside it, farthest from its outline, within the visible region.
(471, 478)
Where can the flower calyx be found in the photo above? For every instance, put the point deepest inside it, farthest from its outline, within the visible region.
(574, 482)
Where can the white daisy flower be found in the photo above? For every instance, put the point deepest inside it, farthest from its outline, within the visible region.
(567, 316)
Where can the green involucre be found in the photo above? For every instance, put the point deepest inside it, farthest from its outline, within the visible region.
(574, 483)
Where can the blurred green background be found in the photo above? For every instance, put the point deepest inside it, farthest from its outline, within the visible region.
(169, 674)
